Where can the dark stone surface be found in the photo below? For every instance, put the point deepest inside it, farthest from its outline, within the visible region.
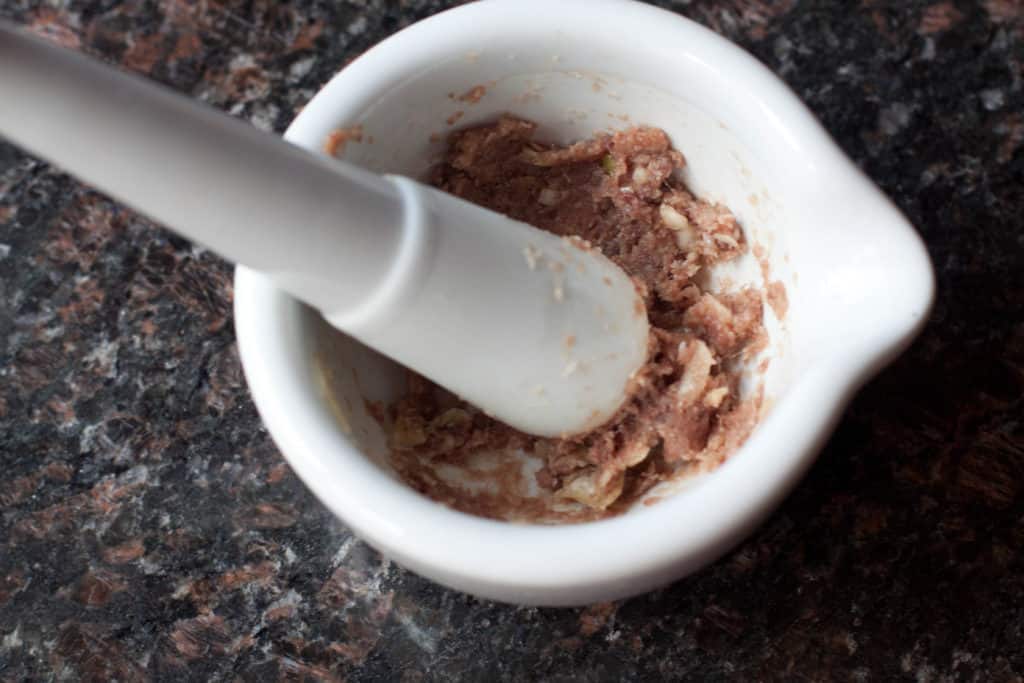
(150, 530)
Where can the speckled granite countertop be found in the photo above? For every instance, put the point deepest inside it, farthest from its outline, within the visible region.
(150, 530)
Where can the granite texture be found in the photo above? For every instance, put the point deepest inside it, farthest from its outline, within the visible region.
(149, 530)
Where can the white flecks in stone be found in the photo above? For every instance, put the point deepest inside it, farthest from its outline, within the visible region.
(289, 599)
(358, 25)
(51, 333)
(425, 640)
(103, 357)
(928, 53)
(299, 69)
(87, 440)
(241, 61)
(992, 99)
(149, 567)
(34, 319)
(182, 589)
(136, 475)
(263, 116)
(12, 640)
(5, 250)
(343, 551)
(782, 49)
(894, 118)
(848, 70)
(961, 657)
(933, 173)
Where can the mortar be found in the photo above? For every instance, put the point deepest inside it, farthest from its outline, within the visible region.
(858, 281)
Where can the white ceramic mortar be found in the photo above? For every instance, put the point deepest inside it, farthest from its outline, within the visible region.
(858, 279)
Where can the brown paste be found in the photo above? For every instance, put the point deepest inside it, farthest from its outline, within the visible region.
(621, 193)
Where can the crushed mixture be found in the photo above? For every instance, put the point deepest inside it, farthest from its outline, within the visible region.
(619, 192)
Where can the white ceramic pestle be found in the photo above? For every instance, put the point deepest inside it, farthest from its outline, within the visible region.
(534, 330)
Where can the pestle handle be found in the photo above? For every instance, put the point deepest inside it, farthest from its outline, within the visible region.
(243, 193)
(539, 332)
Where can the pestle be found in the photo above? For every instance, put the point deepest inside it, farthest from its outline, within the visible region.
(538, 331)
